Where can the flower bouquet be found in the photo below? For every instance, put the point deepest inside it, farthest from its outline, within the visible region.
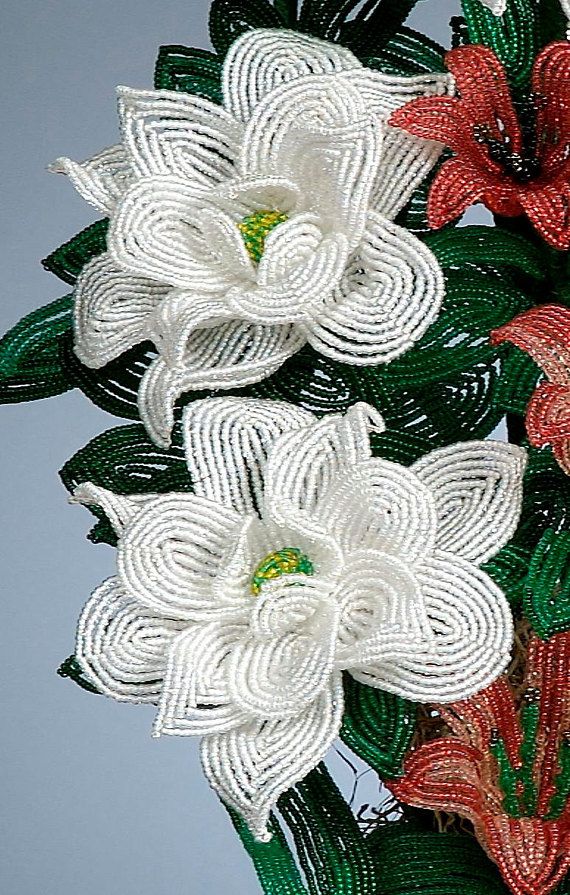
(315, 536)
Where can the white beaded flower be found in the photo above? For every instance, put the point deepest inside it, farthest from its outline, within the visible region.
(299, 556)
(241, 232)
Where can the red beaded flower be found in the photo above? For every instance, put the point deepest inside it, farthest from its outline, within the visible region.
(544, 332)
(513, 163)
(506, 767)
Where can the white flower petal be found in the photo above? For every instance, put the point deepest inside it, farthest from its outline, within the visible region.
(470, 647)
(244, 195)
(231, 355)
(263, 59)
(194, 699)
(406, 161)
(383, 92)
(304, 465)
(120, 509)
(252, 766)
(498, 7)
(477, 487)
(111, 311)
(100, 180)
(319, 133)
(280, 677)
(299, 268)
(390, 294)
(157, 232)
(383, 506)
(169, 555)
(166, 132)
(227, 441)
(122, 646)
(378, 596)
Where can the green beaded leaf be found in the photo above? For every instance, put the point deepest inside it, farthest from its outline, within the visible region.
(412, 860)
(551, 23)
(400, 447)
(288, 10)
(374, 24)
(323, 18)
(486, 246)
(546, 499)
(408, 53)
(547, 592)
(331, 850)
(72, 669)
(231, 18)
(189, 71)
(511, 36)
(519, 377)
(475, 303)
(377, 726)
(126, 461)
(30, 361)
(509, 569)
(67, 261)
(115, 386)
(273, 861)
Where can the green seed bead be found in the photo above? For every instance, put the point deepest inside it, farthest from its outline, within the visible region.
(255, 228)
(288, 561)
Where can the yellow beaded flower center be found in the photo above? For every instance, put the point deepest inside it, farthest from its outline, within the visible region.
(255, 227)
(288, 561)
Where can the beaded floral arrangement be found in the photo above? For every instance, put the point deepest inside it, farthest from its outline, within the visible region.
(315, 536)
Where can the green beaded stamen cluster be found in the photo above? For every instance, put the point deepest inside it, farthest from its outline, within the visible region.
(255, 227)
(288, 561)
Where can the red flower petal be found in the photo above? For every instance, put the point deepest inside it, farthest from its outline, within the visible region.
(548, 208)
(531, 854)
(439, 118)
(457, 186)
(550, 79)
(442, 774)
(485, 93)
(544, 333)
(548, 415)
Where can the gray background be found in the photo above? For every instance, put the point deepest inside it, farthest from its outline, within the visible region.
(90, 803)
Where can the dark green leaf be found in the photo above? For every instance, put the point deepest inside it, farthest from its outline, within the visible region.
(408, 53)
(124, 460)
(551, 22)
(400, 447)
(231, 18)
(189, 71)
(374, 25)
(487, 246)
(377, 726)
(72, 669)
(273, 861)
(115, 386)
(518, 380)
(67, 261)
(547, 592)
(30, 361)
(411, 860)
(332, 851)
(324, 18)
(546, 500)
(288, 10)
(509, 569)
(475, 303)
